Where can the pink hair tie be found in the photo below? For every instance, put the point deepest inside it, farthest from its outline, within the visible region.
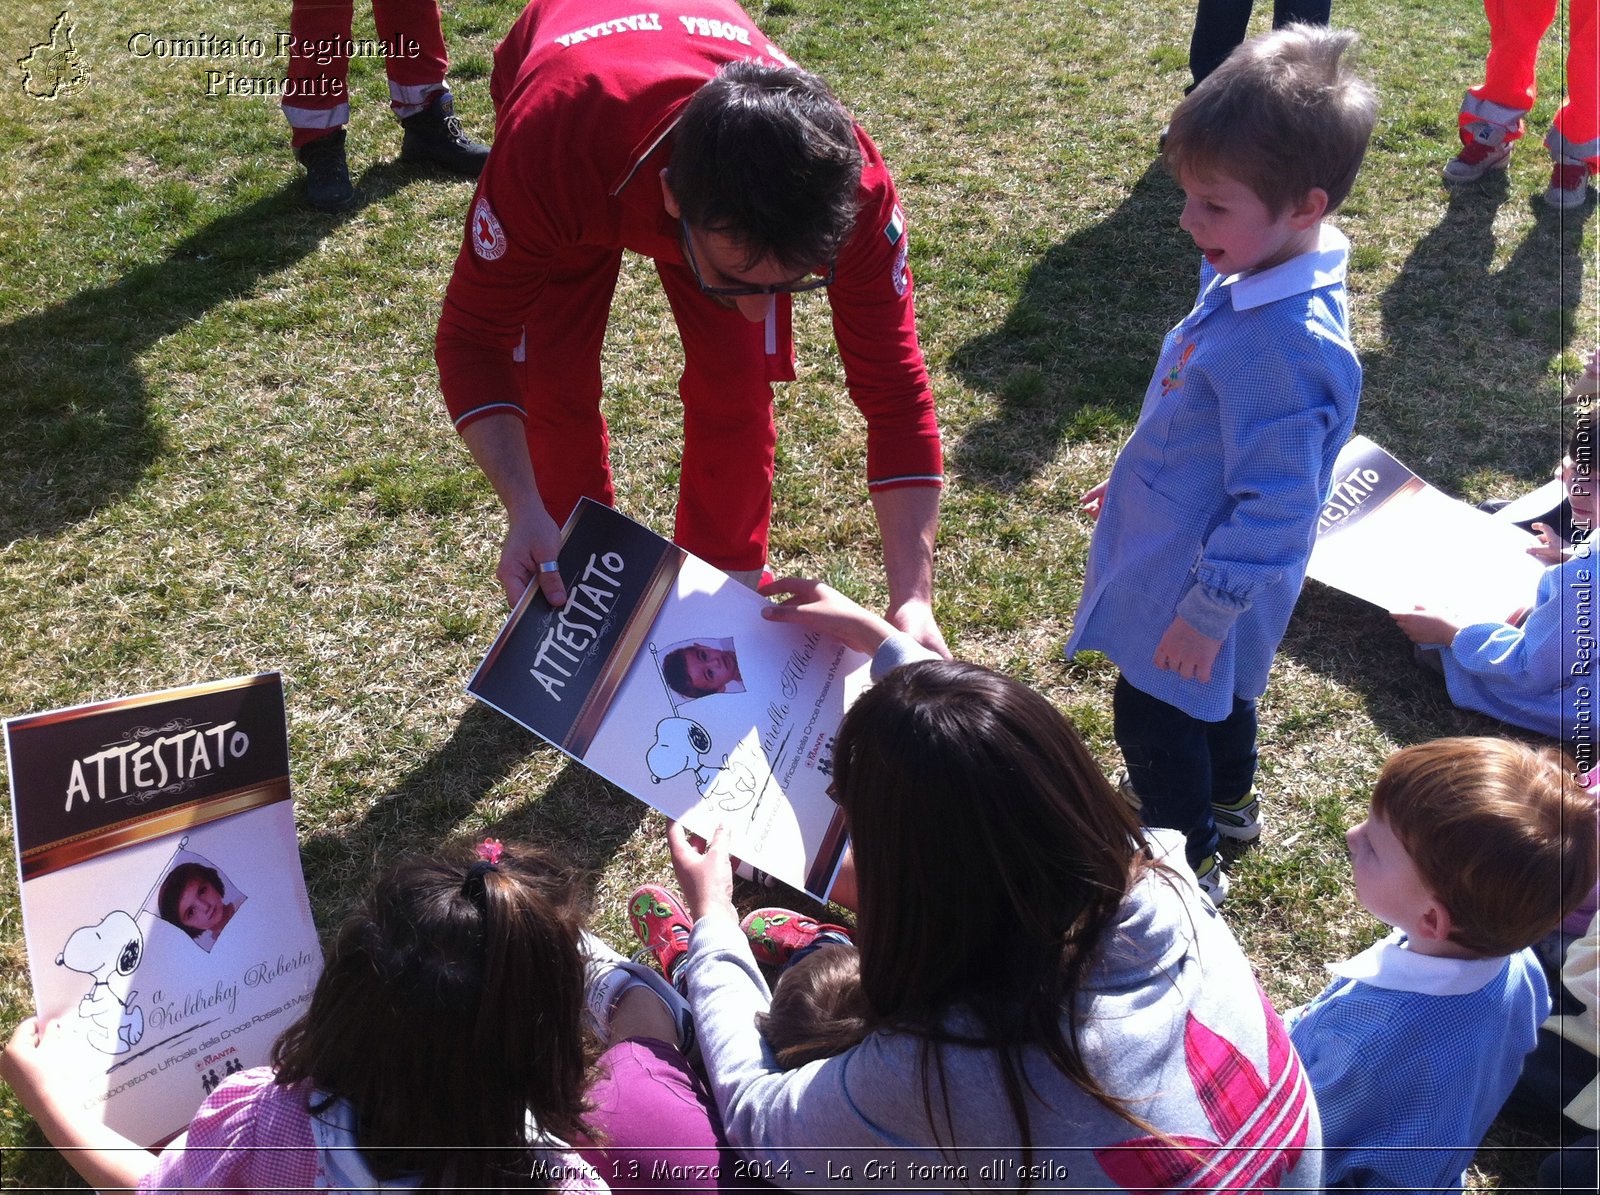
(490, 850)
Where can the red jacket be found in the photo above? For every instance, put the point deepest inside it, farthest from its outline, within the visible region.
(586, 95)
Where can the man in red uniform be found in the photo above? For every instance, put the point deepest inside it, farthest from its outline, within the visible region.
(681, 133)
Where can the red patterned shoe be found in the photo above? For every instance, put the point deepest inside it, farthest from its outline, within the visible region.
(1569, 186)
(776, 934)
(661, 925)
(1476, 160)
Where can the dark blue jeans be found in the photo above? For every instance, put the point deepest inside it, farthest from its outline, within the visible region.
(1220, 25)
(1179, 765)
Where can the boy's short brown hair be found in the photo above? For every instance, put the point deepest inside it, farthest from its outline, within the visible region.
(1282, 115)
(818, 1009)
(1499, 831)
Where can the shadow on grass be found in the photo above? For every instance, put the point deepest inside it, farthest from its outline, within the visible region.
(1470, 341)
(579, 818)
(1073, 356)
(78, 431)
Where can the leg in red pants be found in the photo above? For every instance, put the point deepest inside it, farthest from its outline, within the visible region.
(1574, 138)
(316, 100)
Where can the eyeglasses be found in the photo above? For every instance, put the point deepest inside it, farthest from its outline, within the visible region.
(816, 282)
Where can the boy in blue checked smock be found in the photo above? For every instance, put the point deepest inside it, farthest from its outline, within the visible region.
(1473, 850)
(1206, 523)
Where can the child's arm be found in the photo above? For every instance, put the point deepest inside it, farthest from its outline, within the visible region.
(1423, 626)
(1277, 407)
(33, 1066)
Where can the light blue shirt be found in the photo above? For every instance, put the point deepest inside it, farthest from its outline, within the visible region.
(1212, 506)
(1541, 674)
(1411, 1058)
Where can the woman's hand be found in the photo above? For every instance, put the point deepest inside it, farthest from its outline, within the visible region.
(818, 607)
(26, 1063)
(704, 870)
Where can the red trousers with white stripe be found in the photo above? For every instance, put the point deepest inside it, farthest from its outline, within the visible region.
(1492, 113)
(316, 101)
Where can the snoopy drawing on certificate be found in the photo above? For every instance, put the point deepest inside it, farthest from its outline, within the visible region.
(681, 745)
(110, 952)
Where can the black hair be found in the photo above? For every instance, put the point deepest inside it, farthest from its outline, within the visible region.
(768, 157)
(448, 1012)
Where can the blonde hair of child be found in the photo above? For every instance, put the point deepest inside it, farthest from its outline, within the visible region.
(1500, 832)
(1283, 115)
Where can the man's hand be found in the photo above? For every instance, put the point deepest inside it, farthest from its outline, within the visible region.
(704, 871)
(1094, 500)
(532, 538)
(1187, 652)
(916, 620)
(1424, 627)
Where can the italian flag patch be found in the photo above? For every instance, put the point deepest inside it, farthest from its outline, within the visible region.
(896, 228)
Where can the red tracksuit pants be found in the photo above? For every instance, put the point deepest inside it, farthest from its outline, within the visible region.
(316, 101)
(1492, 113)
(729, 440)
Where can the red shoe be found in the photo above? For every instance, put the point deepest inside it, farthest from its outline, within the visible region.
(1476, 160)
(661, 926)
(777, 934)
(1569, 186)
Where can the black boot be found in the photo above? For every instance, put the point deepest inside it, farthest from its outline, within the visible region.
(434, 135)
(328, 186)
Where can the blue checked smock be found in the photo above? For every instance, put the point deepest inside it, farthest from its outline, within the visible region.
(1541, 674)
(1212, 505)
(1411, 1058)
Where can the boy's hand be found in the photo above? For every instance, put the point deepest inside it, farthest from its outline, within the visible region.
(1094, 501)
(1429, 629)
(1187, 652)
(1551, 549)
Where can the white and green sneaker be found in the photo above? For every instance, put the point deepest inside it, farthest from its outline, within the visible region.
(1239, 821)
(1212, 879)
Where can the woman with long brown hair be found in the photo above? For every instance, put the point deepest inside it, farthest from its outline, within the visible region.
(1050, 1004)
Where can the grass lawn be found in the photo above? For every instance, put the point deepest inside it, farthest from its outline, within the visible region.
(222, 448)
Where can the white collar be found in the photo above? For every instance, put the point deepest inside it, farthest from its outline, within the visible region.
(1319, 267)
(1389, 964)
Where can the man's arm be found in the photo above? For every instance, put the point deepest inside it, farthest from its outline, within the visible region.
(908, 521)
(499, 445)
